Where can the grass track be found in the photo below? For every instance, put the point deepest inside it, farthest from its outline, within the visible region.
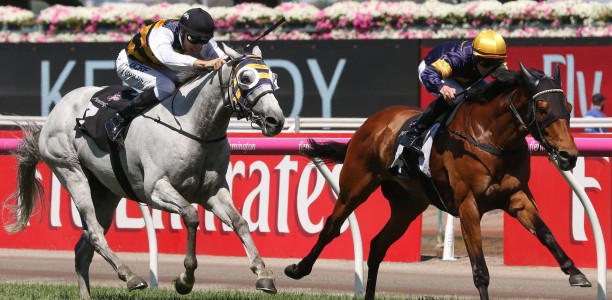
(44, 291)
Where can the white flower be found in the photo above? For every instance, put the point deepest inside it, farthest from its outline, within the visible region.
(297, 12)
(119, 13)
(253, 13)
(15, 15)
(65, 14)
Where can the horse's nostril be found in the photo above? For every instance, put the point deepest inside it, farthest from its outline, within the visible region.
(566, 155)
(271, 121)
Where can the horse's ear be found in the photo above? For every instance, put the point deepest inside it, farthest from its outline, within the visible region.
(231, 52)
(531, 80)
(557, 76)
(257, 51)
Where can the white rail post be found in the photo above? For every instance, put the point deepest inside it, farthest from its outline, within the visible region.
(600, 244)
(357, 244)
(146, 215)
(449, 239)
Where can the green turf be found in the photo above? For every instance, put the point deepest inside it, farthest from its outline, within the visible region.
(49, 291)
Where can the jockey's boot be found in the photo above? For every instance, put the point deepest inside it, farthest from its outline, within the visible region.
(116, 125)
(411, 139)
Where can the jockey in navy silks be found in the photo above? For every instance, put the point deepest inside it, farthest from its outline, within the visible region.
(447, 70)
(153, 58)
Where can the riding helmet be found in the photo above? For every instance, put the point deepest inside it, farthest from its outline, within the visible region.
(489, 44)
(197, 22)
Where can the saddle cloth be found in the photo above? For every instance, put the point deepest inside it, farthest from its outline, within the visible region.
(103, 106)
(423, 160)
(441, 121)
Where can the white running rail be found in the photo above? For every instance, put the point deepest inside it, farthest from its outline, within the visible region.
(307, 124)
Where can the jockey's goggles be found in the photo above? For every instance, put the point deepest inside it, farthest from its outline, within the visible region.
(197, 39)
(487, 63)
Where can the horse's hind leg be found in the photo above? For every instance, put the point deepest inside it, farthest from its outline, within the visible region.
(105, 204)
(222, 206)
(354, 190)
(75, 181)
(403, 212)
(522, 208)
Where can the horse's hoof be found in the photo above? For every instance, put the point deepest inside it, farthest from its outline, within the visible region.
(266, 285)
(579, 280)
(292, 271)
(136, 283)
(181, 286)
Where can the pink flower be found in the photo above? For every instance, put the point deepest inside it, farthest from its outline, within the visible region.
(91, 28)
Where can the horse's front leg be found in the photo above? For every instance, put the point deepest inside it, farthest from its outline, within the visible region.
(522, 208)
(165, 195)
(223, 207)
(470, 229)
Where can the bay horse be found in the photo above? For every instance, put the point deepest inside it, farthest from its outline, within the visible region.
(479, 162)
(169, 167)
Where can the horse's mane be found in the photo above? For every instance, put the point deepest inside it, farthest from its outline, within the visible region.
(188, 75)
(505, 82)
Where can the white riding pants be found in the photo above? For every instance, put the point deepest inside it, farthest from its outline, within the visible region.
(140, 76)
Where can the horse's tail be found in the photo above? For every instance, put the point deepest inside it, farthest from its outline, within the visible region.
(329, 151)
(29, 189)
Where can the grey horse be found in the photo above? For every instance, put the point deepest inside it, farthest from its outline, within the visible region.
(167, 170)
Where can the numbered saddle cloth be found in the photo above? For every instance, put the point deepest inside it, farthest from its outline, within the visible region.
(103, 106)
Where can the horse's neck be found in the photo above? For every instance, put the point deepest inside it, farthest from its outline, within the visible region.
(202, 108)
(493, 122)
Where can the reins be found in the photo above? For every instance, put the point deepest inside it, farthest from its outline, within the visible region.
(529, 126)
(231, 101)
(180, 127)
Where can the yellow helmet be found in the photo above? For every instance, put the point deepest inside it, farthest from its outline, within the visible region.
(489, 44)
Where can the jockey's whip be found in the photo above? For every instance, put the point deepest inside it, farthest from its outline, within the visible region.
(278, 23)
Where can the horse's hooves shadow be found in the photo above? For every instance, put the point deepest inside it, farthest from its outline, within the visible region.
(266, 285)
(579, 280)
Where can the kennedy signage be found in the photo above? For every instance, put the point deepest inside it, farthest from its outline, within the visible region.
(317, 78)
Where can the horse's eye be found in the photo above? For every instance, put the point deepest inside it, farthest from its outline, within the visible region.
(247, 77)
(542, 110)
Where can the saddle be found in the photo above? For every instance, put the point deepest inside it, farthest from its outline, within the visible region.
(418, 167)
(103, 106)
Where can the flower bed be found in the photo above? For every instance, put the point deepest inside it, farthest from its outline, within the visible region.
(342, 20)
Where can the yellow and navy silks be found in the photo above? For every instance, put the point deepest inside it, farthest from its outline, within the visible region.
(452, 59)
(138, 48)
(265, 79)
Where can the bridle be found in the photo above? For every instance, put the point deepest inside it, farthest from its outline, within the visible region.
(240, 98)
(533, 127)
(243, 96)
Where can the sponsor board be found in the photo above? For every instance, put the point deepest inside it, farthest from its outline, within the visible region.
(284, 199)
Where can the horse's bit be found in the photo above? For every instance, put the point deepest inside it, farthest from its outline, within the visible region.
(535, 128)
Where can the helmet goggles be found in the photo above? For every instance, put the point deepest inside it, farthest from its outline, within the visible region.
(197, 39)
(487, 62)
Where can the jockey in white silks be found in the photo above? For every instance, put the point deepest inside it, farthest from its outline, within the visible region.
(153, 58)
